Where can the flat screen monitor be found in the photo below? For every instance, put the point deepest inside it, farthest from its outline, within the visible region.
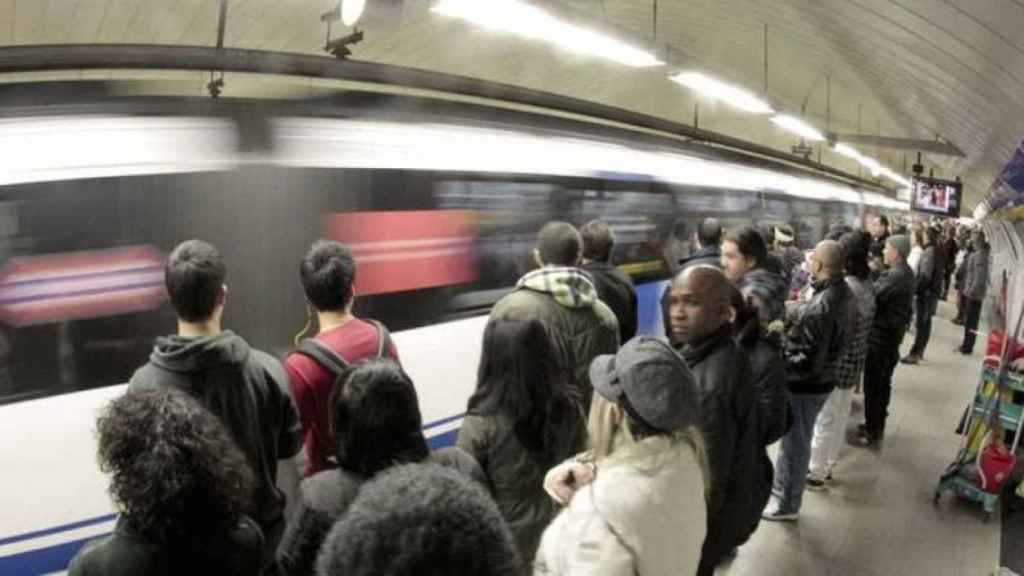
(936, 197)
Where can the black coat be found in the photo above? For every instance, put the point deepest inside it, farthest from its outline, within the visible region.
(615, 288)
(894, 296)
(723, 375)
(815, 341)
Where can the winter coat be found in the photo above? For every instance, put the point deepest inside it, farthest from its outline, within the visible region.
(325, 496)
(927, 272)
(792, 258)
(814, 343)
(644, 514)
(515, 477)
(894, 296)
(723, 376)
(976, 278)
(580, 326)
(860, 317)
(248, 390)
(127, 553)
(706, 256)
(615, 288)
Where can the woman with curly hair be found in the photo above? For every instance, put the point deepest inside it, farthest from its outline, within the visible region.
(182, 487)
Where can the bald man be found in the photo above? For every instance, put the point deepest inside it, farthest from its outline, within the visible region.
(699, 319)
(812, 349)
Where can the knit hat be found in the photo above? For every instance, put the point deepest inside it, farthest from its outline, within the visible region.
(901, 243)
(655, 381)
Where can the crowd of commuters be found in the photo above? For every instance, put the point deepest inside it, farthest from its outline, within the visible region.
(585, 448)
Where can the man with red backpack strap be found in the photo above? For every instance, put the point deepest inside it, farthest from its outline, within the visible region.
(328, 273)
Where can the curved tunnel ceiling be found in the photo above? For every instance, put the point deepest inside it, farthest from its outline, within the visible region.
(952, 69)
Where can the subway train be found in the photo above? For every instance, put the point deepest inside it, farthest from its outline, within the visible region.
(439, 202)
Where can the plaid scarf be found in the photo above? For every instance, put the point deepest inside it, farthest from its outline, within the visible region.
(569, 287)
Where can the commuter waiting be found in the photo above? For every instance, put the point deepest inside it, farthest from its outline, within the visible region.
(708, 239)
(700, 323)
(328, 276)
(376, 422)
(975, 288)
(786, 250)
(521, 421)
(830, 428)
(182, 488)
(614, 287)
(894, 294)
(928, 289)
(744, 259)
(420, 519)
(563, 299)
(644, 511)
(812, 348)
(247, 389)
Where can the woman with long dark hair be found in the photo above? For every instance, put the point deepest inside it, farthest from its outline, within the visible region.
(182, 487)
(521, 420)
(744, 260)
(376, 423)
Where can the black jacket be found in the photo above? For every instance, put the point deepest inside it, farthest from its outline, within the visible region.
(723, 376)
(708, 255)
(815, 341)
(325, 496)
(615, 288)
(769, 374)
(894, 296)
(248, 390)
(127, 553)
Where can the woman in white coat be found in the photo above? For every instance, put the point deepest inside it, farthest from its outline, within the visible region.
(636, 498)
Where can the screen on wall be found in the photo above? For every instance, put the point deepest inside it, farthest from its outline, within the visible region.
(936, 197)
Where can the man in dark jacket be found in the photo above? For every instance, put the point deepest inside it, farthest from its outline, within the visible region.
(951, 250)
(564, 300)
(928, 288)
(812, 348)
(894, 293)
(700, 323)
(878, 227)
(247, 389)
(708, 253)
(975, 289)
(614, 287)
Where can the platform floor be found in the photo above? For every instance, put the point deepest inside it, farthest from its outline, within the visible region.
(879, 519)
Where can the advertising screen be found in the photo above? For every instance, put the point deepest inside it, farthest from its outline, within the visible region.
(937, 197)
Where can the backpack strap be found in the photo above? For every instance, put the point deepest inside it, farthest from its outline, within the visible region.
(322, 355)
(384, 343)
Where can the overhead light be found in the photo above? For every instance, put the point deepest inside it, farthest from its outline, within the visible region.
(849, 152)
(352, 11)
(798, 127)
(732, 95)
(528, 21)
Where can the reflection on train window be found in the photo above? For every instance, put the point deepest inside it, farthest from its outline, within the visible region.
(640, 220)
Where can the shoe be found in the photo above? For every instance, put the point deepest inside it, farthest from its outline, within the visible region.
(775, 514)
(910, 359)
(866, 440)
(816, 483)
(959, 350)
(958, 322)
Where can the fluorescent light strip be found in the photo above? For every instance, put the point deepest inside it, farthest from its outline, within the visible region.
(876, 168)
(528, 21)
(727, 93)
(798, 127)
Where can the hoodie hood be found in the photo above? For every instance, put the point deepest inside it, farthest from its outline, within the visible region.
(770, 288)
(570, 287)
(185, 355)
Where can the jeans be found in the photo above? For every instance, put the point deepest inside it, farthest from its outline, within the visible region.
(879, 365)
(925, 308)
(795, 453)
(830, 431)
(971, 325)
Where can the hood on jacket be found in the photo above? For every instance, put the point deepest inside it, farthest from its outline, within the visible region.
(570, 287)
(770, 288)
(185, 355)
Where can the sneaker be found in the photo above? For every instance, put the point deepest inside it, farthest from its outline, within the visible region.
(910, 359)
(775, 514)
(817, 481)
(866, 440)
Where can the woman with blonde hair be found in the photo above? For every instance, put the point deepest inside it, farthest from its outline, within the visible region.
(636, 499)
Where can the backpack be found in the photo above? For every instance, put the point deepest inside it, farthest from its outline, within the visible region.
(331, 360)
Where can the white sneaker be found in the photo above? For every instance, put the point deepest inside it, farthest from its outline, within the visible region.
(774, 514)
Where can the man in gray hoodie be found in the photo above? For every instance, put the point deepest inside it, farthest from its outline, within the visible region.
(247, 389)
(564, 300)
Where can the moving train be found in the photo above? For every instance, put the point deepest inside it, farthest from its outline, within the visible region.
(440, 203)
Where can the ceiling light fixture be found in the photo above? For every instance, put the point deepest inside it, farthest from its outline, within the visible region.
(732, 95)
(798, 127)
(528, 21)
